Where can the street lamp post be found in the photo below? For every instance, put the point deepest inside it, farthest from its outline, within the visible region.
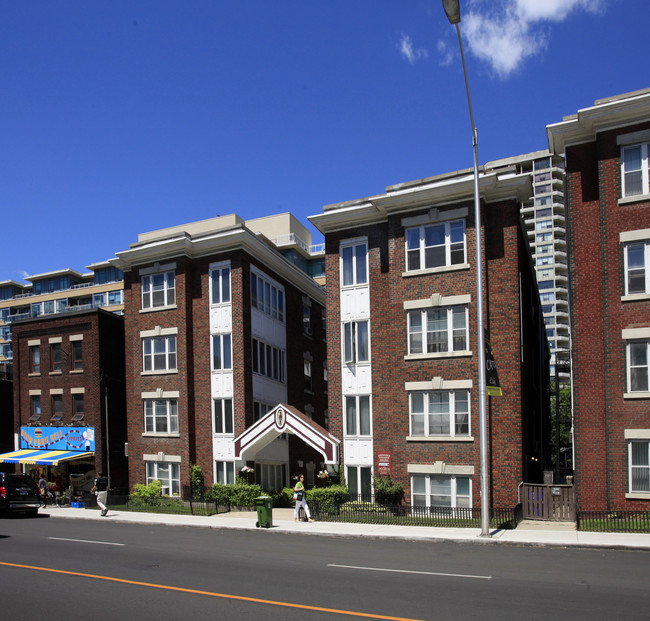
(452, 10)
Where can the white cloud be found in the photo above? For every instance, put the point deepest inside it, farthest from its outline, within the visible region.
(407, 50)
(504, 33)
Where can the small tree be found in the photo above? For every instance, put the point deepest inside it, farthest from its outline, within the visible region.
(387, 491)
(197, 482)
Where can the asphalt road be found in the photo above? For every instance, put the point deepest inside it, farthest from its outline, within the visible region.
(63, 569)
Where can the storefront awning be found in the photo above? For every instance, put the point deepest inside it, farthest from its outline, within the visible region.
(50, 458)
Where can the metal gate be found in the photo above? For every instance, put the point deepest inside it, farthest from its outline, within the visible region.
(548, 502)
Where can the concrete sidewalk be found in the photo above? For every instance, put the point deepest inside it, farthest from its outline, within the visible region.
(527, 533)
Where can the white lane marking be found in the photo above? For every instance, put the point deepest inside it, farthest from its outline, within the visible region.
(408, 571)
(101, 543)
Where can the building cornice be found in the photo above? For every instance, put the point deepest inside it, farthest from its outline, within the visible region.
(433, 192)
(221, 242)
(604, 115)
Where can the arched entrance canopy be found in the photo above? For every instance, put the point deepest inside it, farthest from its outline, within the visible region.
(286, 419)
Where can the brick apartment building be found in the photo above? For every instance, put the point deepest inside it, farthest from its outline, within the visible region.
(225, 353)
(402, 361)
(68, 395)
(607, 150)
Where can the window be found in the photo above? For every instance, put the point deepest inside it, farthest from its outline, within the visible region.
(354, 268)
(437, 245)
(225, 472)
(55, 357)
(268, 360)
(99, 299)
(223, 419)
(637, 278)
(637, 366)
(639, 456)
(159, 353)
(35, 405)
(357, 416)
(161, 416)
(267, 297)
(544, 237)
(546, 284)
(35, 359)
(77, 355)
(543, 225)
(545, 260)
(158, 290)
(221, 352)
(271, 476)
(78, 406)
(439, 413)
(169, 474)
(220, 285)
(428, 490)
(355, 342)
(307, 374)
(543, 200)
(635, 164)
(260, 410)
(57, 406)
(306, 319)
(114, 298)
(359, 479)
(438, 330)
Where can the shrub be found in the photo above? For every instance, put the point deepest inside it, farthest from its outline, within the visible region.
(387, 492)
(332, 495)
(147, 493)
(197, 483)
(238, 495)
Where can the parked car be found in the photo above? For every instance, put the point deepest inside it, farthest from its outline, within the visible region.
(18, 494)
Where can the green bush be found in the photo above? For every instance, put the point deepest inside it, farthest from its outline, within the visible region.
(332, 495)
(238, 495)
(387, 492)
(147, 493)
(197, 482)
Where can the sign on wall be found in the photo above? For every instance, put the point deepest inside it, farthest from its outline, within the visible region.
(383, 464)
(80, 439)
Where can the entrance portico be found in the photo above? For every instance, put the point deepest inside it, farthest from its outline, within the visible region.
(286, 419)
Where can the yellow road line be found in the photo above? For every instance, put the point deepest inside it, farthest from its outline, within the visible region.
(210, 593)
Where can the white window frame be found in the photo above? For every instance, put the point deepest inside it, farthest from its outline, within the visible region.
(453, 415)
(356, 342)
(169, 355)
(353, 259)
(357, 419)
(425, 498)
(642, 469)
(361, 478)
(642, 368)
(220, 284)
(168, 473)
(643, 171)
(221, 352)
(267, 296)
(269, 361)
(225, 472)
(161, 416)
(641, 269)
(223, 417)
(450, 314)
(415, 244)
(158, 290)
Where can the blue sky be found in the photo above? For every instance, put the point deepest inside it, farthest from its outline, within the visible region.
(122, 117)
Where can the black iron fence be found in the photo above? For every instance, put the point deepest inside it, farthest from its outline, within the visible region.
(367, 512)
(614, 521)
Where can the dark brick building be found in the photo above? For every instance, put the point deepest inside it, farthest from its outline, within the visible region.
(69, 397)
(402, 361)
(221, 327)
(607, 150)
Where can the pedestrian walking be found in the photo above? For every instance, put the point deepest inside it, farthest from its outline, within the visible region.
(300, 496)
(42, 489)
(101, 490)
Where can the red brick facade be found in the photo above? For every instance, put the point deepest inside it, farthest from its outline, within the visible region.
(190, 318)
(514, 323)
(606, 414)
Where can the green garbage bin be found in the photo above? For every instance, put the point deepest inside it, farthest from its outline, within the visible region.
(264, 505)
